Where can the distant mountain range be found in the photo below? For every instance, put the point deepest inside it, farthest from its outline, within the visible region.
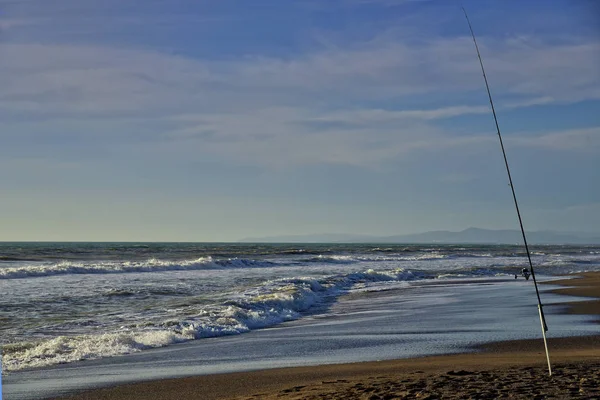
(470, 235)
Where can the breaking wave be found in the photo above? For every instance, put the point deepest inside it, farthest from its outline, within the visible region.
(274, 302)
(108, 267)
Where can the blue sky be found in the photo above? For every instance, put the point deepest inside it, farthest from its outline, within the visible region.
(216, 120)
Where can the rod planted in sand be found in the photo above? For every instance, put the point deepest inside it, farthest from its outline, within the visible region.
(487, 86)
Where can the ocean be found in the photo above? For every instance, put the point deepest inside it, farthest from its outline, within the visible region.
(66, 302)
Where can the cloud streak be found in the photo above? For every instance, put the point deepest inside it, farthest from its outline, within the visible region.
(312, 107)
(90, 79)
(583, 140)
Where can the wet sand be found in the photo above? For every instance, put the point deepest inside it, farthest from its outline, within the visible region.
(585, 285)
(515, 369)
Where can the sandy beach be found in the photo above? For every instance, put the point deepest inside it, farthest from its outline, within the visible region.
(586, 286)
(514, 369)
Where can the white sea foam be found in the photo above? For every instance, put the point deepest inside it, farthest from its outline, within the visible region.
(274, 302)
(424, 257)
(109, 267)
(334, 259)
(65, 349)
(350, 259)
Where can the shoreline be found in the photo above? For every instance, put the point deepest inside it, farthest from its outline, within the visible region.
(503, 361)
(586, 284)
(516, 367)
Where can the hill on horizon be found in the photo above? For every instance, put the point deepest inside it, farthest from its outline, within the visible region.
(469, 235)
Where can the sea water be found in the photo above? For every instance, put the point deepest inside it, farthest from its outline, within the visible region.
(66, 302)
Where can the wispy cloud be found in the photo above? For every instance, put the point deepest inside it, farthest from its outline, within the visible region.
(7, 24)
(536, 101)
(586, 140)
(370, 116)
(288, 136)
(94, 79)
(306, 108)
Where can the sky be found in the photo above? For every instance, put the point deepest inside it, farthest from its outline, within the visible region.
(197, 120)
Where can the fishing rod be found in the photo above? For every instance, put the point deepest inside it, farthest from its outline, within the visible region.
(487, 86)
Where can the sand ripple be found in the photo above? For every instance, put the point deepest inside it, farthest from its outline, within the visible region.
(580, 381)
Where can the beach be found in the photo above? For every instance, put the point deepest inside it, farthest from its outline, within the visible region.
(509, 369)
(588, 286)
(241, 200)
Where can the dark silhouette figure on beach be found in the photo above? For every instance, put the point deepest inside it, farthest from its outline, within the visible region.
(525, 272)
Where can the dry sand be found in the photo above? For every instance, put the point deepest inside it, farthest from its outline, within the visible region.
(514, 369)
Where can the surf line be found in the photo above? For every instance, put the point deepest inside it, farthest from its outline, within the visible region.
(540, 309)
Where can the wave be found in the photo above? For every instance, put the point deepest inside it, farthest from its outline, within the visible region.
(65, 349)
(334, 259)
(269, 304)
(14, 258)
(429, 256)
(298, 251)
(274, 302)
(108, 267)
(362, 258)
